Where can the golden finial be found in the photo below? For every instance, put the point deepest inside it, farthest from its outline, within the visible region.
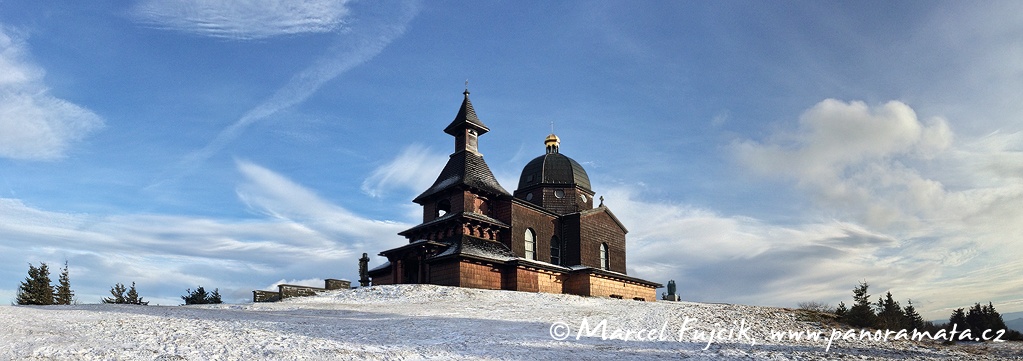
(552, 142)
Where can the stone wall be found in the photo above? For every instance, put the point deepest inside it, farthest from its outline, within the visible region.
(265, 296)
(332, 284)
(288, 291)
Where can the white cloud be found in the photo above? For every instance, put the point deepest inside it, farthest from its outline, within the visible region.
(301, 235)
(719, 258)
(33, 124)
(275, 195)
(244, 19)
(950, 205)
(414, 169)
(853, 157)
(834, 135)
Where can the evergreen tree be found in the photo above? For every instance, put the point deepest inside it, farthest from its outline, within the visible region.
(860, 314)
(36, 289)
(201, 297)
(913, 319)
(63, 295)
(132, 297)
(995, 320)
(982, 318)
(958, 319)
(125, 296)
(215, 297)
(197, 297)
(841, 310)
(118, 294)
(889, 313)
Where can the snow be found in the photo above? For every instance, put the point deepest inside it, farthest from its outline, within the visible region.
(413, 322)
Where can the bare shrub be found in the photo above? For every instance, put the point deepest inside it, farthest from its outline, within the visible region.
(816, 306)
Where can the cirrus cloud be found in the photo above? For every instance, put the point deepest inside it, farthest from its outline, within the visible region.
(243, 19)
(35, 125)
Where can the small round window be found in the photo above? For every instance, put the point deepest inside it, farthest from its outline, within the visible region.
(559, 193)
(529, 196)
(582, 197)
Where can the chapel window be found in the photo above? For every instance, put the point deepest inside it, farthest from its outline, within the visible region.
(555, 250)
(530, 244)
(604, 262)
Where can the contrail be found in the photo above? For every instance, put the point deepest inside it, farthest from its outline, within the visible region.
(367, 38)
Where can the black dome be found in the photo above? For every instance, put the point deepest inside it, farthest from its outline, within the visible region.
(554, 169)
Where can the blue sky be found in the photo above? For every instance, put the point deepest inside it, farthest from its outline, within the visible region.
(759, 153)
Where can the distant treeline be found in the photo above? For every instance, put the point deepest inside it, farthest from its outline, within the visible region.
(38, 290)
(888, 314)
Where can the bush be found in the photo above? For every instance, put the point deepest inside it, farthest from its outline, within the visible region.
(815, 306)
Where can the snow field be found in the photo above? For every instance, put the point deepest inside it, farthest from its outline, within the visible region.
(413, 322)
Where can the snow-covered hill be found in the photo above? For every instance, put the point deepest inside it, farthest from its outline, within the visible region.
(410, 322)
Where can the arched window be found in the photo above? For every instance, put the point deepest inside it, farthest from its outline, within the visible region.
(443, 207)
(604, 262)
(555, 250)
(530, 244)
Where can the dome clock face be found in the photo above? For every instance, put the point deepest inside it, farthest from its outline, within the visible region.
(559, 193)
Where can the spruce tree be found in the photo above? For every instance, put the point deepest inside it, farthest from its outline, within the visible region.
(201, 297)
(215, 297)
(995, 320)
(36, 289)
(889, 313)
(125, 296)
(132, 297)
(118, 294)
(197, 297)
(860, 314)
(63, 295)
(913, 319)
(958, 319)
(841, 310)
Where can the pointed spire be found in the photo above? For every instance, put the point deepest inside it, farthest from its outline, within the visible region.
(466, 118)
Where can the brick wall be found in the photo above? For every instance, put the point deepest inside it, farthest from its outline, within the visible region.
(478, 275)
(587, 284)
(528, 279)
(444, 273)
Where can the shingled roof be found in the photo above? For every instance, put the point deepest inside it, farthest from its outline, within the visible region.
(466, 117)
(464, 168)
